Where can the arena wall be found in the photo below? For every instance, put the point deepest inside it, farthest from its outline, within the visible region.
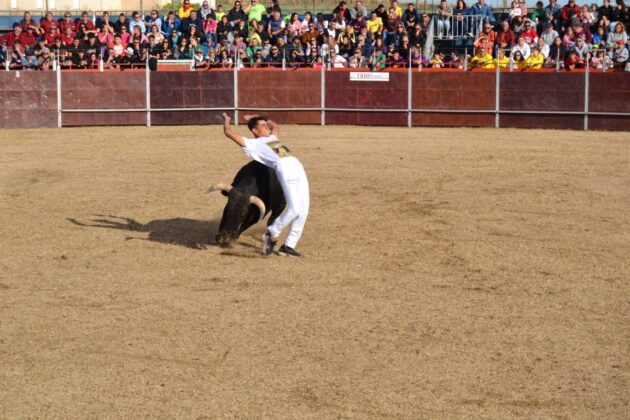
(307, 96)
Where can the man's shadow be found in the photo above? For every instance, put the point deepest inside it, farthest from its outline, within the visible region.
(195, 234)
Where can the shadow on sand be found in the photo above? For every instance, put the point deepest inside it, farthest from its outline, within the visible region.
(195, 234)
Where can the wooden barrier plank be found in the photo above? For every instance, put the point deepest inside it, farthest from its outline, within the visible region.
(29, 99)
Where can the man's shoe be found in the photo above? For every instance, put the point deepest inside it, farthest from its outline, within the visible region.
(287, 251)
(268, 244)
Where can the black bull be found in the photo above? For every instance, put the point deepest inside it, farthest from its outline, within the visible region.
(254, 192)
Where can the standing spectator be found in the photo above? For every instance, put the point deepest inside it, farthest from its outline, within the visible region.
(460, 11)
(538, 16)
(276, 25)
(605, 10)
(255, 10)
(443, 13)
(184, 10)
(482, 10)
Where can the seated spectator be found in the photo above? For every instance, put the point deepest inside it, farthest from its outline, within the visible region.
(154, 19)
(255, 10)
(418, 37)
(535, 60)
(45, 59)
(358, 23)
(518, 60)
(28, 38)
(569, 12)
(121, 23)
(453, 61)
(437, 62)
(308, 19)
(311, 56)
(443, 14)
(538, 17)
(482, 60)
(549, 34)
(523, 48)
(337, 61)
(358, 8)
(44, 24)
(105, 25)
(157, 35)
(67, 37)
(515, 11)
(136, 21)
(505, 38)
(52, 34)
(568, 40)
(583, 32)
(137, 35)
(396, 60)
(242, 29)
(66, 23)
(199, 60)
(171, 23)
(220, 12)
(378, 59)
(518, 25)
(79, 59)
(346, 47)
(28, 59)
(375, 25)
(552, 13)
(599, 38)
(212, 60)
(581, 49)
(357, 60)
(557, 54)
(205, 10)
(236, 14)
(192, 21)
(274, 58)
(210, 27)
(618, 34)
(295, 59)
(310, 34)
(601, 59)
(543, 47)
(573, 62)
(620, 54)
(486, 38)
(501, 61)
(276, 26)
(93, 61)
(529, 34)
(125, 35)
(85, 20)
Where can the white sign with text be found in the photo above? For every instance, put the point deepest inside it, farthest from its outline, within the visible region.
(360, 76)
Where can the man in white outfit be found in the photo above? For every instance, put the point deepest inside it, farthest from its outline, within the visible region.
(267, 149)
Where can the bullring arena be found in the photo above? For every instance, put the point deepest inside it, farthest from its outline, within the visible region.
(448, 272)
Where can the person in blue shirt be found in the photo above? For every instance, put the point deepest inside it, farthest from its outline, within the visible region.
(484, 12)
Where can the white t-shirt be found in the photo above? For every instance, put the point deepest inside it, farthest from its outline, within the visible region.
(266, 150)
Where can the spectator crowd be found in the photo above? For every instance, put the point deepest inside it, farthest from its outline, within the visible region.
(255, 35)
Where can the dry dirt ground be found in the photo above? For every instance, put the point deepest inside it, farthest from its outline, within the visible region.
(447, 273)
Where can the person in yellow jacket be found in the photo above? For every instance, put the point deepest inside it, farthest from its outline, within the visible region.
(501, 61)
(519, 61)
(536, 59)
(482, 60)
(185, 9)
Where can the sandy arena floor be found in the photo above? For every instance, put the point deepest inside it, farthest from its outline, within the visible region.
(447, 273)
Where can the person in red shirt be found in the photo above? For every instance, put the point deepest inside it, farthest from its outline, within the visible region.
(529, 34)
(569, 11)
(505, 38)
(66, 23)
(28, 38)
(52, 34)
(67, 36)
(46, 22)
(28, 22)
(85, 19)
(486, 38)
(10, 37)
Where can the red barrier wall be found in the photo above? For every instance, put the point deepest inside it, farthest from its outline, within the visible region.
(343, 93)
(281, 89)
(521, 91)
(108, 90)
(29, 99)
(609, 92)
(191, 90)
(453, 91)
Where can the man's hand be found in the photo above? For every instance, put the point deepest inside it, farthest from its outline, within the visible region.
(248, 117)
(226, 120)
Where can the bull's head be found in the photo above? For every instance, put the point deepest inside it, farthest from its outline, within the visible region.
(241, 211)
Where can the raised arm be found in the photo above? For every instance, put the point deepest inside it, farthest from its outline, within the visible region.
(227, 130)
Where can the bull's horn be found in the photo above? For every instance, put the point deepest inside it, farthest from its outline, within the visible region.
(258, 203)
(226, 188)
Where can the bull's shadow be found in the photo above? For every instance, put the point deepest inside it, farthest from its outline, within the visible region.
(190, 233)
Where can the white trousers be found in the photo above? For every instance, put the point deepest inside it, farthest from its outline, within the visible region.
(294, 184)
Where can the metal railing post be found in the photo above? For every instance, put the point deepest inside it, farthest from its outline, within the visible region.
(409, 89)
(235, 95)
(323, 95)
(59, 116)
(497, 88)
(147, 88)
(586, 89)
